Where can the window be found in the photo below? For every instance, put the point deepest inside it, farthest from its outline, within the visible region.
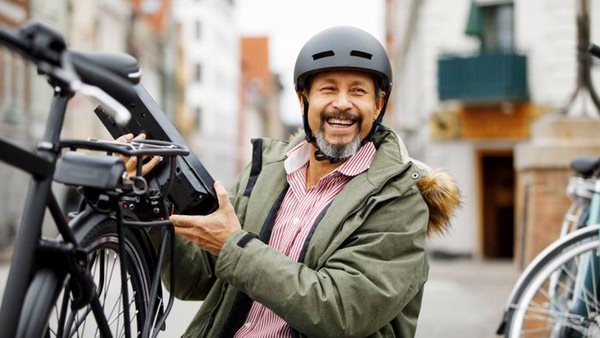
(493, 25)
(198, 116)
(198, 30)
(498, 33)
(198, 72)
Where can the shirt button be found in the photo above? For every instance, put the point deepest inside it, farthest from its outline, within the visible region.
(247, 324)
(295, 220)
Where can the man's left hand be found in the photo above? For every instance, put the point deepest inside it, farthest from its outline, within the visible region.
(209, 232)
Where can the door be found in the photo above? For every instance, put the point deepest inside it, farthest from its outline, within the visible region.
(497, 203)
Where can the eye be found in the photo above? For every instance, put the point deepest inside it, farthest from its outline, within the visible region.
(327, 89)
(358, 90)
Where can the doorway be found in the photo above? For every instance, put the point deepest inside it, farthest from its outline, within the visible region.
(497, 202)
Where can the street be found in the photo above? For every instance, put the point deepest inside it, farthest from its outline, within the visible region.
(463, 299)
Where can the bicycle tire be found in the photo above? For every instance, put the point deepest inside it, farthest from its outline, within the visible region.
(534, 268)
(47, 308)
(542, 310)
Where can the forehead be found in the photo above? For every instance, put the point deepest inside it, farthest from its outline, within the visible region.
(353, 76)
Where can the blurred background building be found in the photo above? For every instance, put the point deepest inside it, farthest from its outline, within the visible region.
(472, 77)
(215, 85)
(211, 65)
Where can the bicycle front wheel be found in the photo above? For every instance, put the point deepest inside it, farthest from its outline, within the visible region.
(563, 298)
(49, 309)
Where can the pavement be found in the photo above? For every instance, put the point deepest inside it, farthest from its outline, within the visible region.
(463, 298)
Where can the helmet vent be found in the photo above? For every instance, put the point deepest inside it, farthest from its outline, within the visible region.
(361, 54)
(323, 55)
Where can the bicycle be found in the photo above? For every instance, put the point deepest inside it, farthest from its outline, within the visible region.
(101, 275)
(558, 294)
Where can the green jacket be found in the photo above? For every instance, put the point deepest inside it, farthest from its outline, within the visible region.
(361, 273)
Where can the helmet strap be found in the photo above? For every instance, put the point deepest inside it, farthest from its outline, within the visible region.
(371, 135)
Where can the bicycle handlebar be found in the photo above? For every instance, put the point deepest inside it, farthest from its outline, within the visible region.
(13, 42)
(100, 78)
(47, 49)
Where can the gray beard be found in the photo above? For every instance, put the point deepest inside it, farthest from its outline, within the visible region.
(341, 151)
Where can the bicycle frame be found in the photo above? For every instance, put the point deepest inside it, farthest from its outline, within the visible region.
(29, 243)
(70, 72)
(29, 232)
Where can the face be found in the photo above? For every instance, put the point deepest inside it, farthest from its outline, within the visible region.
(343, 106)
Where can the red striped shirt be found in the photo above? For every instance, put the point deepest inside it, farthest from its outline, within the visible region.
(298, 212)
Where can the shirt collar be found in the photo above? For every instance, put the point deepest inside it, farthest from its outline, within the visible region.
(297, 157)
(358, 163)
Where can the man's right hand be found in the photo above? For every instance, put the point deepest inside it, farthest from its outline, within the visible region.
(131, 162)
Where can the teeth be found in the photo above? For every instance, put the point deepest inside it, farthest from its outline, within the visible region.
(338, 121)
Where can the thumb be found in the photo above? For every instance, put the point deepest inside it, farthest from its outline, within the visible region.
(222, 194)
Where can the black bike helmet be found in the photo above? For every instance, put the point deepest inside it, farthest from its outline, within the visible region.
(340, 48)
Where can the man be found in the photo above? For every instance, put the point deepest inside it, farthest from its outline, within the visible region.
(322, 236)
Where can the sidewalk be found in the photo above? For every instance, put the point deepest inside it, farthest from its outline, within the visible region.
(463, 299)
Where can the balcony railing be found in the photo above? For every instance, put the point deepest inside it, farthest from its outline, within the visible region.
(484, 77)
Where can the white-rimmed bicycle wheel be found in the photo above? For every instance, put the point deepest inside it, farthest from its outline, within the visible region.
(545, 308)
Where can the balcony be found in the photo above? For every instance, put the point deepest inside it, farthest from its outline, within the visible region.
(483, 78)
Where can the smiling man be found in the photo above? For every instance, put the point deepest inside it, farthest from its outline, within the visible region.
(324, 235)
(349, 106)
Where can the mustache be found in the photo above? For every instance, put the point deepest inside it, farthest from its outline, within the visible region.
(341, 115)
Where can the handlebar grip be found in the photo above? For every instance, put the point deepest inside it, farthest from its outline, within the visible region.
(11, 40)
(95, 75)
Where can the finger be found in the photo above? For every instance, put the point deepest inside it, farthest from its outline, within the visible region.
(146, 168)
(131, 164)
(123, 158)
(185, 221)
(140, 136)
(187, 233)
(124, 137)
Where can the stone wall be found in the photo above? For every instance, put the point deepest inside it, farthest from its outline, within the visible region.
(543, 169)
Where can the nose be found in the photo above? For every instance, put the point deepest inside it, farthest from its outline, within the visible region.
(342, 102)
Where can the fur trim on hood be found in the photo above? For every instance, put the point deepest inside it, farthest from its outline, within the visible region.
(441, 194)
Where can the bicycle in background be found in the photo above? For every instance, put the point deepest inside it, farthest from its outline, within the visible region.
(101, 276)
(558, 294)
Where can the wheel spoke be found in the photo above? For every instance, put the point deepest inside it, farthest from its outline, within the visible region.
(548, 304)
(104, 266)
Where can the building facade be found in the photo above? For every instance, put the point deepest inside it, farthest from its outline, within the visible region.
(260, 92)
(115, 26)
(211, 74)
(471, 78)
